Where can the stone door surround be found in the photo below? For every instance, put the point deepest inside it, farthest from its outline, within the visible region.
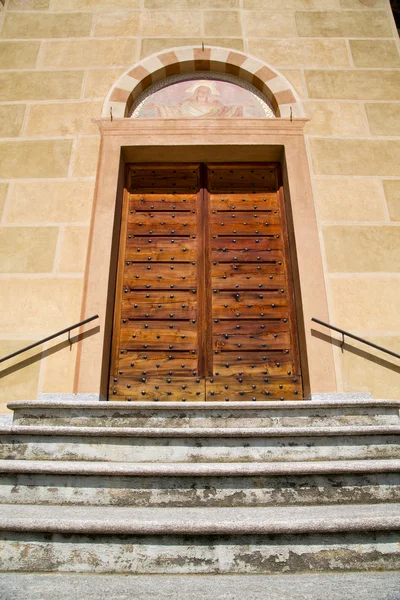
(125, 140)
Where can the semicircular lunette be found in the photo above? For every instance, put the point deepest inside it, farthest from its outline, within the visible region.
(202, 95)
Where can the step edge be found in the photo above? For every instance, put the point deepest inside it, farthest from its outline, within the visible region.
(141, 527)
(110, 405)
(112, 469)
(205, 432)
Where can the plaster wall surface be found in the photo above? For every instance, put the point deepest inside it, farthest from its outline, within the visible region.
(59, 59)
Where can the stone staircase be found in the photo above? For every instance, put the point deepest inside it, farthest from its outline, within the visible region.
(222, 488)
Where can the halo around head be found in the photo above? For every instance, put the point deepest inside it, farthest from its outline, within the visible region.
(191, 89)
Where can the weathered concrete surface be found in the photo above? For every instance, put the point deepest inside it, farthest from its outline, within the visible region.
(178, 554)
(218, 414)
(289, 490)
(204, 484)
(270, 445)
(321, 586)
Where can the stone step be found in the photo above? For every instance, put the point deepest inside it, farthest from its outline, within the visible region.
(303, 586)
(243, 444)
(199, 540)
(206, 414)
(199, 484)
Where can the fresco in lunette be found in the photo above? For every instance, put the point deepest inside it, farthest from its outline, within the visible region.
(202, 99)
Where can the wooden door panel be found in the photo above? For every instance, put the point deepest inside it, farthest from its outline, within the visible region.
(156, 336)
(251, 327)
(159, 305)
(154, 363)
(160, 389)
(247, 363)
(247, 254)
(161, 202)
(164, 179)
(163, 276)
(161, 223)
(252, 311)
(254, 388)
(249, 304)
(253, 201)
(257, 340)
(243, 178)
(237, 243)
(246, 276)
(259, 222)
(165, 249)
(243, 227)
(156, 325)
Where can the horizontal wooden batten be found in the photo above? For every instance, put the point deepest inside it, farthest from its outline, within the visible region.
(165, 178)
(245, 304)
(162, 276)
(253, 201)
(154, 363)
(164, 249)
(158, 389)
(247, 254)
(259, 340)
(158, 335)
(162, 202)
(254, 388)
(149, 223)
(232, 243)
(248, 363)
(159, 305)
(224, 178)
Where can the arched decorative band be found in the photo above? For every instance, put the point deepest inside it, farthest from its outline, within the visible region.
(188, 59)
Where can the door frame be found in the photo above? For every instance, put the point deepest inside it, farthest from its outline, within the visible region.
(209, 140)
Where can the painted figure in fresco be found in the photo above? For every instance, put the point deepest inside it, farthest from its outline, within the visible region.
(202, 103)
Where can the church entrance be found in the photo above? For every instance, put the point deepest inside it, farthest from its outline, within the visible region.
(204, 306)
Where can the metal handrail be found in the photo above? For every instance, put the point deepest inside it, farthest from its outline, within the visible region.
(50, 337)
(355, 337)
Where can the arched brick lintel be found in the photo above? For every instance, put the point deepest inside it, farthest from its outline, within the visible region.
(188, 59)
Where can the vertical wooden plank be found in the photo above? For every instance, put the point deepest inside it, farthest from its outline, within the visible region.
(208, 278)
(119, 282)
(200, 284)
(294, 339)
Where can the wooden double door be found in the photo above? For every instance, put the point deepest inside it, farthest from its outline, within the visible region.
(204, 307)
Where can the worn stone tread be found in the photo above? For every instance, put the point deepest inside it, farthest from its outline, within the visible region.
(138, 405)
(304, 586)
(198, 469)
(200, 521)
(201, 432)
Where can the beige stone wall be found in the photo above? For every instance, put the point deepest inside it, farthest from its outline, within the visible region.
(59, 58)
